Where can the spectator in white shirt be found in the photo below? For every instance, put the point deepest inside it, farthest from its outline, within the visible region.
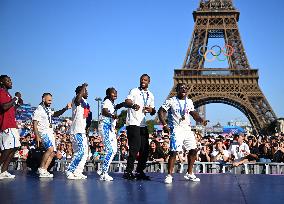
(238, 149)
(220, 154)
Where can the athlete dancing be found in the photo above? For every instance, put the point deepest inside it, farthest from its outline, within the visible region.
(179, 109)
(42, 123)
(107, 130)
(140, 101)
(80, 111)
(9, 134)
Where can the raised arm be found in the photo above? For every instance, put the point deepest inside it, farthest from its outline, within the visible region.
(120, 105)
(60, 112)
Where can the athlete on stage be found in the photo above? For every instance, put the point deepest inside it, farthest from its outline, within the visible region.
(179, 109)
(9, 134)
(107, 130)
(80, 112)
(140, 102)
(42, 123)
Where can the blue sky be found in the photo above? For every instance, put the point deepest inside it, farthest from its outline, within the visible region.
(55, 45)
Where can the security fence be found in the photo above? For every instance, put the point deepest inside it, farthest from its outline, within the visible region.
(199, 167)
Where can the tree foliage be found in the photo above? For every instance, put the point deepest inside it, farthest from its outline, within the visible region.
(121, 119)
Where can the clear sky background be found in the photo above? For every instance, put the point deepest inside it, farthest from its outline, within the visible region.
(55, 45)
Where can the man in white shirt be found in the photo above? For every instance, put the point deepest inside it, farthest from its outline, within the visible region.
(140, 101)
(80, 112)
(238, 149)
(42, 123)
(240, 152)
(220, 154)
(179, 109)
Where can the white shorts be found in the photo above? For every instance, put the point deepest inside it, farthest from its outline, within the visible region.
(182, 138)
(48, 140)
(9, 139)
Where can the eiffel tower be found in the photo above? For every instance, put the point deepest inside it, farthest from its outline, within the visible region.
(236, 85)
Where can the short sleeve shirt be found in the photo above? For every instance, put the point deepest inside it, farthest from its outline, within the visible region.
(43, 116)
(176, 109)
(78, 117)
(7, 118)
(143, 99)
(107, 104)
(220, 157)
(239, 150)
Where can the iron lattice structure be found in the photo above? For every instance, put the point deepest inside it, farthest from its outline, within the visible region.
(236, 85)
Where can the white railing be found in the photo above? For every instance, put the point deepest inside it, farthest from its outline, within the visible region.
(199, 167)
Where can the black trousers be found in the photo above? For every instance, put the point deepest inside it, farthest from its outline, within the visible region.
(138, 142)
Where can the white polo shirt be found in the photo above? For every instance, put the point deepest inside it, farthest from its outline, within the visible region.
(43, 116)
(141, 98)
(176, 108)
(111, 109)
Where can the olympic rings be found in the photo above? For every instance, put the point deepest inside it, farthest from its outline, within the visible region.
(227, 51)
(213, 53)
(232, 50)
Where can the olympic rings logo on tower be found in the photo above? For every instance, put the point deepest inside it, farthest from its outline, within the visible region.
(216, 51)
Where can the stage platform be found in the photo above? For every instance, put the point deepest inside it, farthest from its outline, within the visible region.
(213, 188)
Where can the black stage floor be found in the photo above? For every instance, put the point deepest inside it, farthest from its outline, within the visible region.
(213, 188)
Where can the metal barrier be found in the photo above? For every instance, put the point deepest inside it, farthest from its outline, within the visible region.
(199, 167)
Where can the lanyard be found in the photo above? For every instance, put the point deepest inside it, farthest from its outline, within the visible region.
(182, 112)
(145, 100)
(48, 114)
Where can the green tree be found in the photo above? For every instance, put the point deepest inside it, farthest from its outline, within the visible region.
(150, 125)
(121, 119)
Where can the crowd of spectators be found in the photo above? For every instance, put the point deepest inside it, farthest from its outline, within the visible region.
(235, 149)
(241, 148)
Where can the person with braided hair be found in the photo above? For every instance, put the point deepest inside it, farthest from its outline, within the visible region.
(107, 130)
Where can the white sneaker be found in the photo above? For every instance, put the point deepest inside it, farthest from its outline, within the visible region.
(39, 170)
(168, 179)
(99, 171)
(106, 177)
(71, 176)
(191, 177)
(43, 173)
(80, 176)
(6, 174)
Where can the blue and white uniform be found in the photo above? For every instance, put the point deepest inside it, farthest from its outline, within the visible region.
(78, 137)
(44, 116)
(179, 123)
(107, 131)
